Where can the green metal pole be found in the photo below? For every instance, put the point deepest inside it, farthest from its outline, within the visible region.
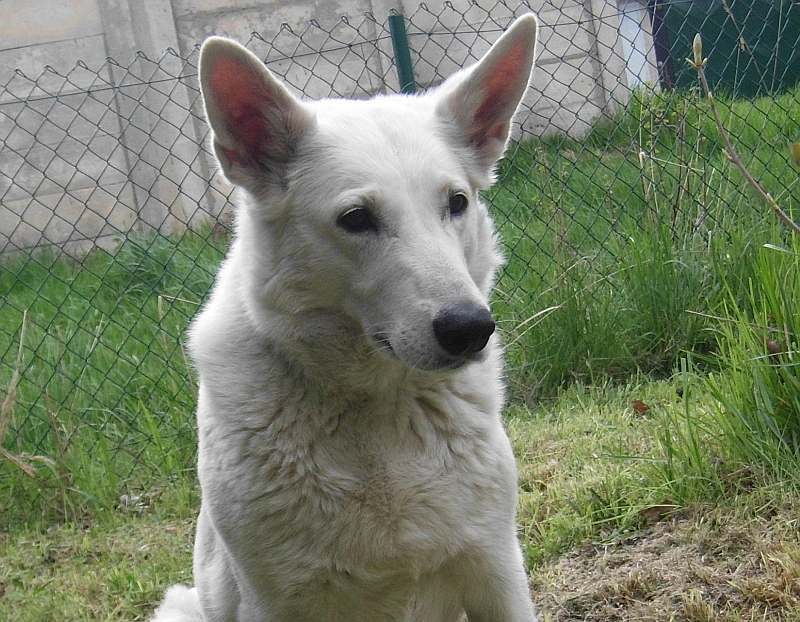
(402, 55)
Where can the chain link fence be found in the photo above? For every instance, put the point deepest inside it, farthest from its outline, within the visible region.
(114, 217)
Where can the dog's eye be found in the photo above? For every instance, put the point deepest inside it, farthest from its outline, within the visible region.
(357, 220)
(457, 203)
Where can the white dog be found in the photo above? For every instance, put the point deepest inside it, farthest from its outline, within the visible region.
(353, 464)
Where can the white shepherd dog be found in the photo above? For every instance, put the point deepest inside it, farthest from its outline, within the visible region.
(352, 459)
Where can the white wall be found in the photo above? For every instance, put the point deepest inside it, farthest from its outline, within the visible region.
(578, 71)
(637, 43)
(83, 163)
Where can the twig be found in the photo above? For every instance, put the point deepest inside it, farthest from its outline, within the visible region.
(699, 64)
(10, 401)
(719, 318)
(536, 319)
(172, 298)
(24, 462)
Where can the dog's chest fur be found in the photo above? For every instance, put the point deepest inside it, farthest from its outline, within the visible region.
(365, 487)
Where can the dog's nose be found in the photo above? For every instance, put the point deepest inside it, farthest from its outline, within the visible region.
(463, 327)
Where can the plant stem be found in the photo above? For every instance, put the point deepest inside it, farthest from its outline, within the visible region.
(737, 160)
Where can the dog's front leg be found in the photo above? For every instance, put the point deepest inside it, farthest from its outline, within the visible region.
(497, 586)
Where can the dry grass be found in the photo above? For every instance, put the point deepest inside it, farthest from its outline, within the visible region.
(710, 565)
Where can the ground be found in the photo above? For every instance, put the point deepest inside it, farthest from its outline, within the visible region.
(703, 566)
(603, 540)
(110, 571)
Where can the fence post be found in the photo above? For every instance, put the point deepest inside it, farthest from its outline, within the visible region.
(402, 55)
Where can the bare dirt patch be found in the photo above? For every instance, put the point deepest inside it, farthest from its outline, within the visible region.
(713, 565)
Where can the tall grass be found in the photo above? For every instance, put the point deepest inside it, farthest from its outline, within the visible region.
(757, 391)
(103, 405)
(740, 425)
(619, 236)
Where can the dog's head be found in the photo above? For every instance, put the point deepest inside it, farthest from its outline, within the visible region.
(367, 211)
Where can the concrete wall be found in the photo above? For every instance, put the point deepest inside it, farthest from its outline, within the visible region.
(636, 37)
(569, 86)
(93, 148)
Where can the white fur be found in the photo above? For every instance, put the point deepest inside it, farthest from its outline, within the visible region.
(180, 605)
(344, 481)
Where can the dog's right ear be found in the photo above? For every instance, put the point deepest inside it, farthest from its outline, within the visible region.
(255, 120)
(481, 100)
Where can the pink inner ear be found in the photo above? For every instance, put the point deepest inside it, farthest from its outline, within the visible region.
(240, 96)
(499, 95)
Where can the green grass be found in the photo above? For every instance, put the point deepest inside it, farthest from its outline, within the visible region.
(113, 571)
(104, 401)
(610, 240)
(757, 392)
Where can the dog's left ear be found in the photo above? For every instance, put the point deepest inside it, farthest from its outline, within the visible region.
(256, 121)
(481, 100)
